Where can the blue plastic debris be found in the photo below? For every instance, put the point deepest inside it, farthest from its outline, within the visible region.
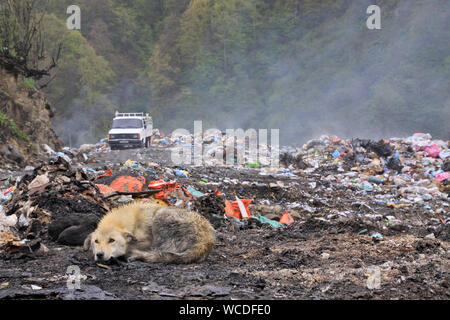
(273, 223)
(377, 235)
(194, 192)
(179, 173)
(376, 179)
(336, 154)
(366, 186)
(359, 158)
(150, 171)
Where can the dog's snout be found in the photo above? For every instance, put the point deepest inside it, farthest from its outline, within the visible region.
(100, 256)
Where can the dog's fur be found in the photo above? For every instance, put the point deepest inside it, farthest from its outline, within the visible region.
(152, 233)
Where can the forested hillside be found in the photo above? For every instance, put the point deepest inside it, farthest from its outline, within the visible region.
(306, 67)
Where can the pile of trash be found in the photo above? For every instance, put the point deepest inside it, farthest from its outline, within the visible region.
(392, 185)
(176, 186)
(417, 166)
(214, 147)
(55, 202)
(375, 187)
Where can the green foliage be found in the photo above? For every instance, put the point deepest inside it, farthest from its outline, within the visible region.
(305, 66)
(29, 83)
(8, 124)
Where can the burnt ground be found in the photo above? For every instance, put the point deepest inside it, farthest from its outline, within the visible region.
(255, 263)
(322, 255)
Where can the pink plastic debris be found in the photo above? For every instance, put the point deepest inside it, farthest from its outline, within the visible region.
(432, 150)
(442, 176)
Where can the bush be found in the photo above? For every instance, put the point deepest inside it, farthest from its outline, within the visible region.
(9, 124)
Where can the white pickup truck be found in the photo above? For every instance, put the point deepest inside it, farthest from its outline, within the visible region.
(130, 130)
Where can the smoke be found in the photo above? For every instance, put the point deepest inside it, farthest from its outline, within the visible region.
(89, 116)
(372, 83)
(339, 77)
(314, 73)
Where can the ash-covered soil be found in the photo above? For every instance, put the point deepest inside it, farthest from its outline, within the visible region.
(303, 261)
(329, 252)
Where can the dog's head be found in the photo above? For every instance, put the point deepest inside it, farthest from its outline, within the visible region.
(107, 243)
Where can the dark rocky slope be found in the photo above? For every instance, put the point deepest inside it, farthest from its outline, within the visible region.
(25, 120)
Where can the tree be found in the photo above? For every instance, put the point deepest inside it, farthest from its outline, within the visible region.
(21, 43)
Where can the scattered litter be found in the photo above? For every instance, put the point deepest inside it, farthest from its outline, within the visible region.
(378, 191)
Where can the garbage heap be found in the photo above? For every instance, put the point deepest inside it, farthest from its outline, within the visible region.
(55, 202)
(215, 149)
(377, 188)
(417, 168)
(395, 184)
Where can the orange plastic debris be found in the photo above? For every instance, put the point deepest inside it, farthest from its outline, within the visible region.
(166, 188)
(107, 174)
(156, 184)
(128, 184)
(187, 193)
(232, 208)
(286, 218)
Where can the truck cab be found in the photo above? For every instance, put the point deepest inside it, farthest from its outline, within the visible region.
(130, 130)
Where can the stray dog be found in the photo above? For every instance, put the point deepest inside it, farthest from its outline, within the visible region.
(152, 233)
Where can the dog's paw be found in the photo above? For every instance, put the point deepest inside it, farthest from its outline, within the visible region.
(134, 256)
(132, 259)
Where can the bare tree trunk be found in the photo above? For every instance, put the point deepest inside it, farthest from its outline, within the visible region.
(21, 43)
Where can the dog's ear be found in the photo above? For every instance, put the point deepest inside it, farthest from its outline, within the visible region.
(87, 242)
(129, 237)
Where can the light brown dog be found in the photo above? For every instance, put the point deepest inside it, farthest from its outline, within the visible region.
(152, 233)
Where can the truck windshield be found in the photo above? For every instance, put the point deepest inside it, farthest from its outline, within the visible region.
(127, 123)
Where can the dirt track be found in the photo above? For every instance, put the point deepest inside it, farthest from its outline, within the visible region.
(317, 257)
